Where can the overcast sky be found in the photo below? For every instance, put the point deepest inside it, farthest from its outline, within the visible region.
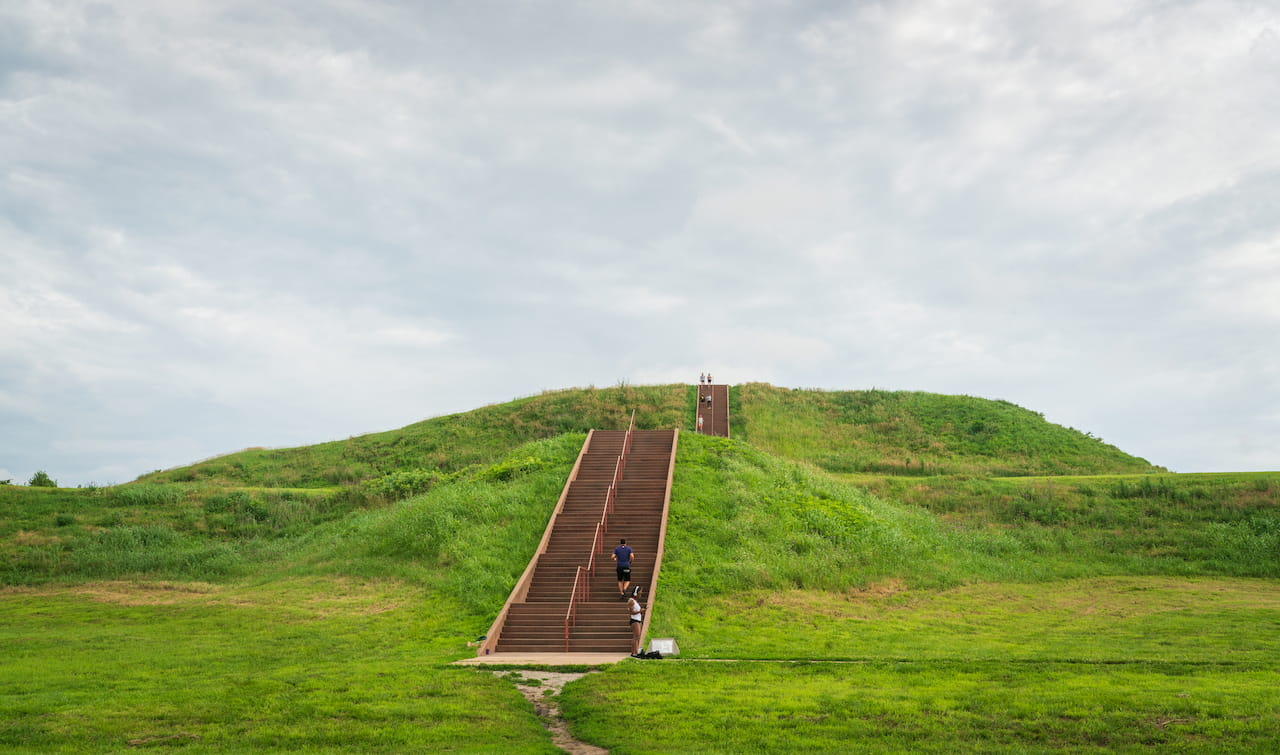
(234, 223)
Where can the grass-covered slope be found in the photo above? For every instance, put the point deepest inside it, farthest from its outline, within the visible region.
(914, 433)
(982, 615)
(987, 615)
(443, 444)
(745, 524)
(839, 431)
(135, 617)
(474, 530)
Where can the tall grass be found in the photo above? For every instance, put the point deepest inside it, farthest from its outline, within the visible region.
(917, 434)
(443, 444)
(470, 538)
(469, 535)
(1223, 524)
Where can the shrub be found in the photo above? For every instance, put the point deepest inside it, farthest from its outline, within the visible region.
(41, 479)
(508, 469)
(403, 484)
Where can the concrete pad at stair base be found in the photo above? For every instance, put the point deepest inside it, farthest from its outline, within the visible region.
(543, 659)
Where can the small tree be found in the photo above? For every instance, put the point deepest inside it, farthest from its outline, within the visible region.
(41, 479)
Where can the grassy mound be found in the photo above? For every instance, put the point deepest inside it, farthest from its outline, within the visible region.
(443, 444)
(310, 598)
(182, 594)
(470, 535)
(745, 523)
(839, 431)
(913, 433)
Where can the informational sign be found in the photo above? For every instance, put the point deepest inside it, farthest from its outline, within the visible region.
(664, 645)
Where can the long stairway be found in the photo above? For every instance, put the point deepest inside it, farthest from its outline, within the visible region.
(714, 413)
(568, 601)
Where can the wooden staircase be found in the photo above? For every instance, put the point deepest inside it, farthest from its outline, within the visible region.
(715, 415)
(567, 600)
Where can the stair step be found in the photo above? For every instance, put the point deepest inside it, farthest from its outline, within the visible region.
(600, 621)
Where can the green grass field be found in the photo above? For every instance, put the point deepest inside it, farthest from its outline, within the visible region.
(313, 665)
(824, 600)
(692, 707)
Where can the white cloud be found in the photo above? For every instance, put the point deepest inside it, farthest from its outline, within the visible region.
(723, 130)
(227, 224)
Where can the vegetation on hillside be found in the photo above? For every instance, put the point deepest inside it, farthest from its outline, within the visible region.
(914, 433)
(840, 431)
(987, 613)
(748, 522)
(442, 444)
(471, 534)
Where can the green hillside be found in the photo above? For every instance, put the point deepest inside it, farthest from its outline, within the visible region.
(840, 431)
(261, 601)
(442, 444)
(915, 433)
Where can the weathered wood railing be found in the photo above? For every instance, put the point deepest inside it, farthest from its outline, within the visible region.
(580, 592)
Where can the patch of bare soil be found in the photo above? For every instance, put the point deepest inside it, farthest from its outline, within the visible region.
(546, 685)
(25, 537)
(145, 593)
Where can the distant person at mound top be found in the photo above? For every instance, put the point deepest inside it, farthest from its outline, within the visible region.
(702, 377)
(622, 554)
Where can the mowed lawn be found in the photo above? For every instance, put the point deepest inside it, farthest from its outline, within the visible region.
(343, 665)
(314, 665)
(1185, 665)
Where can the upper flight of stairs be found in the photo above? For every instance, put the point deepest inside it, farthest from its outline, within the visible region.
(715, 416)
(629, 473)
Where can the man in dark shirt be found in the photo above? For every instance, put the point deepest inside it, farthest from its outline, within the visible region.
(622, 554)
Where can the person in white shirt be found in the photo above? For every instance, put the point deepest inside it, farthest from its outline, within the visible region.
(637, 622)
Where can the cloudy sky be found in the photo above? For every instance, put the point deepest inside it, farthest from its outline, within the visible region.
(229, 223)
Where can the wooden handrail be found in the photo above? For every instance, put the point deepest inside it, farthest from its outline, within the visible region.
(571, 615)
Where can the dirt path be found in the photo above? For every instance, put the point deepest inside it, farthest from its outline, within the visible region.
(541, 693)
